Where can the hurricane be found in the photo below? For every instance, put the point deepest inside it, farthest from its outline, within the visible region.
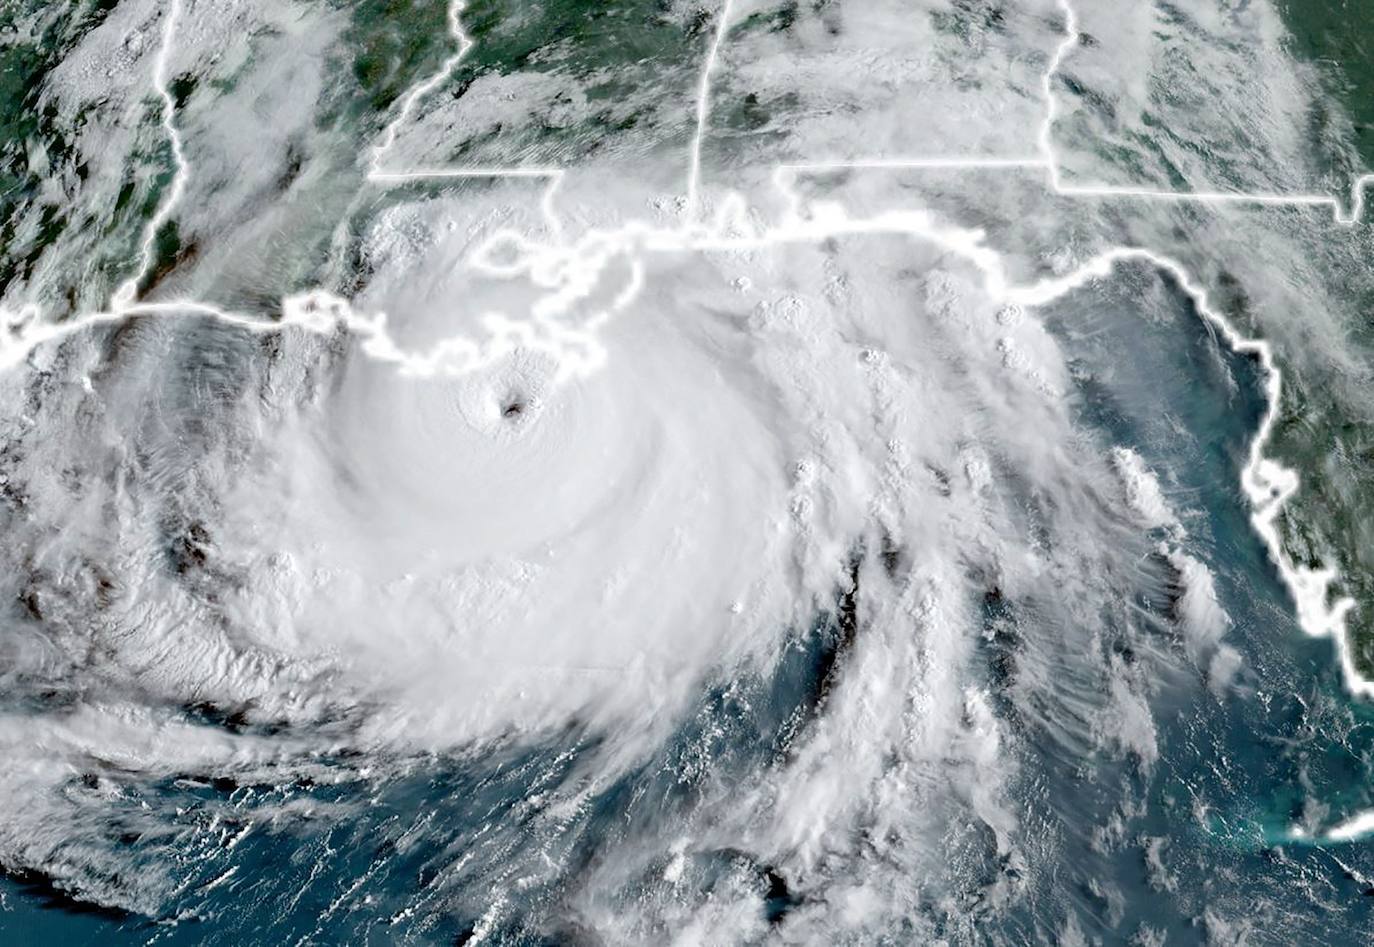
(675, 472)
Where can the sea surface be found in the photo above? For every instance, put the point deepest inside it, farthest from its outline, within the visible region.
(686, 473)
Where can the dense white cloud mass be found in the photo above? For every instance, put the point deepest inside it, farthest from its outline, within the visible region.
(340, 557)
(864, 557)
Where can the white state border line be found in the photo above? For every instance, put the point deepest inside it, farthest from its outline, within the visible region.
(1048, 160)
(127, 292)
(570, 272)
(1072, 37)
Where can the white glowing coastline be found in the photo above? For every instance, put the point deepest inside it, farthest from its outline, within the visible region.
(568, 272)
